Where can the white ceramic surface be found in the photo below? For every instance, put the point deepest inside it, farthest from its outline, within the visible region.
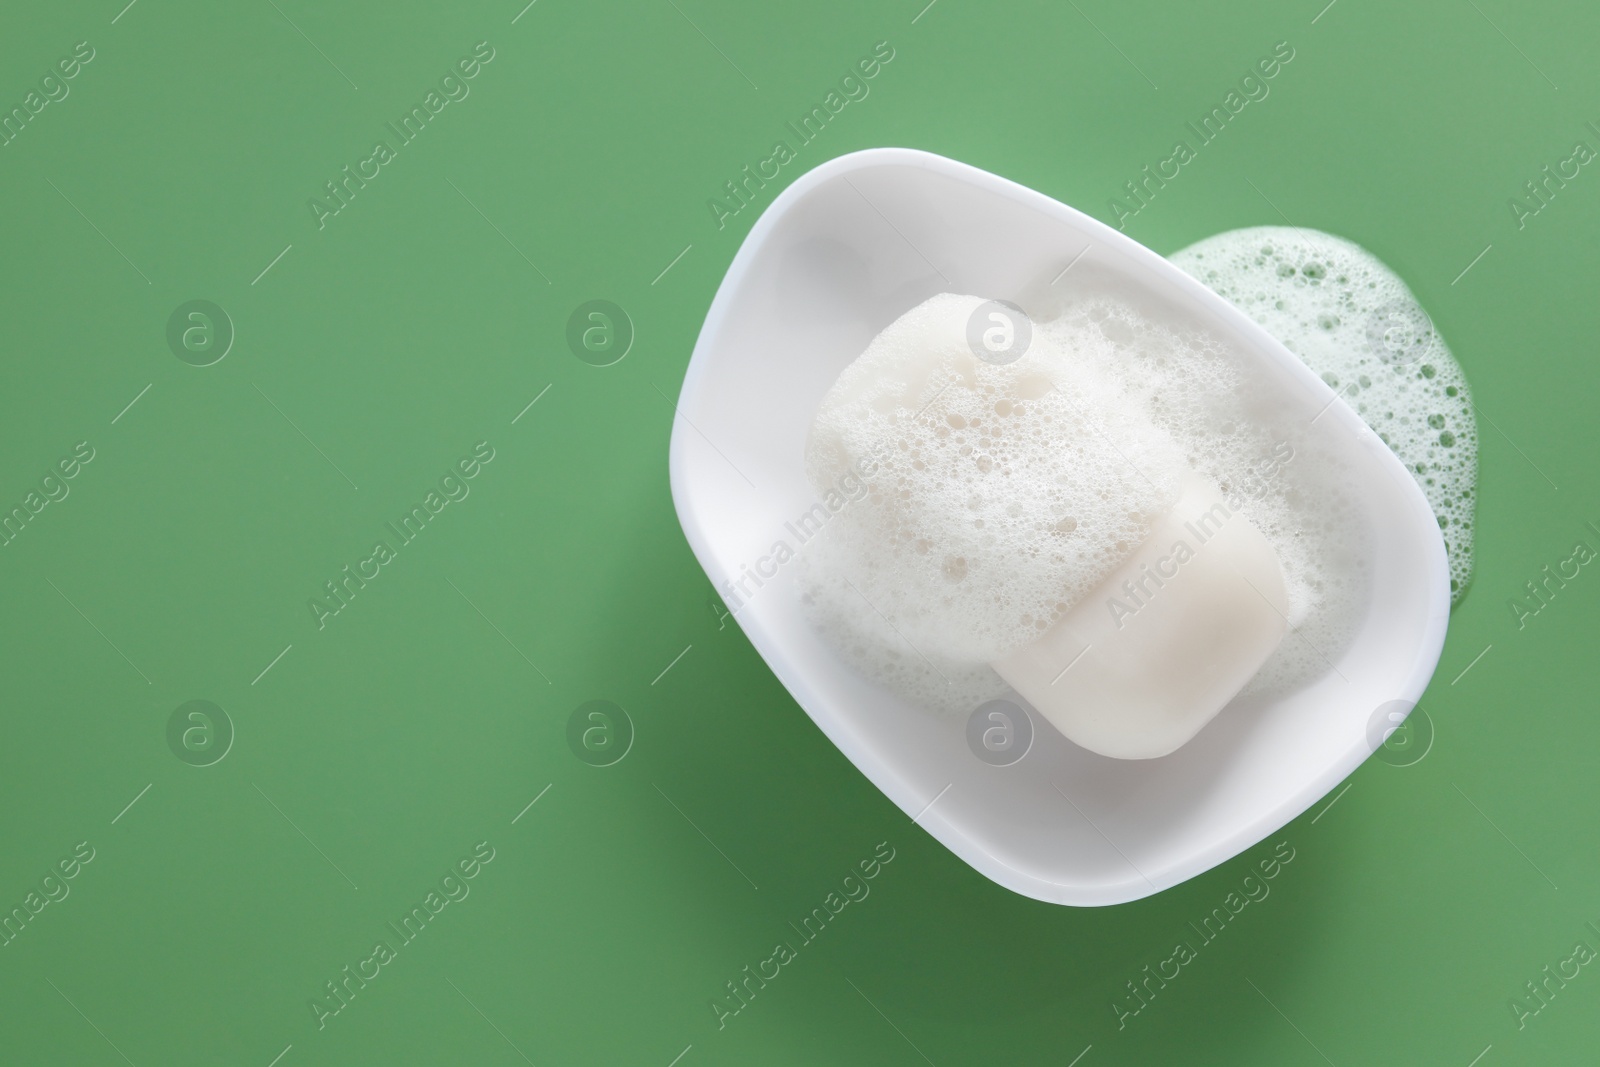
(840, 254)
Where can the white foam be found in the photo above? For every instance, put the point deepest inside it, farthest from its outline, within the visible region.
(1005, 492)
(1354, 322)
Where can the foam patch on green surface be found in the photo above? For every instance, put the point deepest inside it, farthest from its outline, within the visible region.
(1354, 322)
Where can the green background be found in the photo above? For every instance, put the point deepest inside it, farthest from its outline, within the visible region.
(424, 717)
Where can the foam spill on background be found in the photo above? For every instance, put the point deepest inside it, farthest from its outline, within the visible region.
(1354, 322)
(1004, 493)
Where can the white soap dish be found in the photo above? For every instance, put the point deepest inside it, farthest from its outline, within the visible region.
(841, 253)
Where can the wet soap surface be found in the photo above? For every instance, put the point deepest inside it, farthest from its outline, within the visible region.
(1001, 493)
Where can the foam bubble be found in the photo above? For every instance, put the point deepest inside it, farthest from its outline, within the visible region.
(1353, 321)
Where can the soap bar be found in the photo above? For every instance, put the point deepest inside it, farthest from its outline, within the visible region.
(1138, 666)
